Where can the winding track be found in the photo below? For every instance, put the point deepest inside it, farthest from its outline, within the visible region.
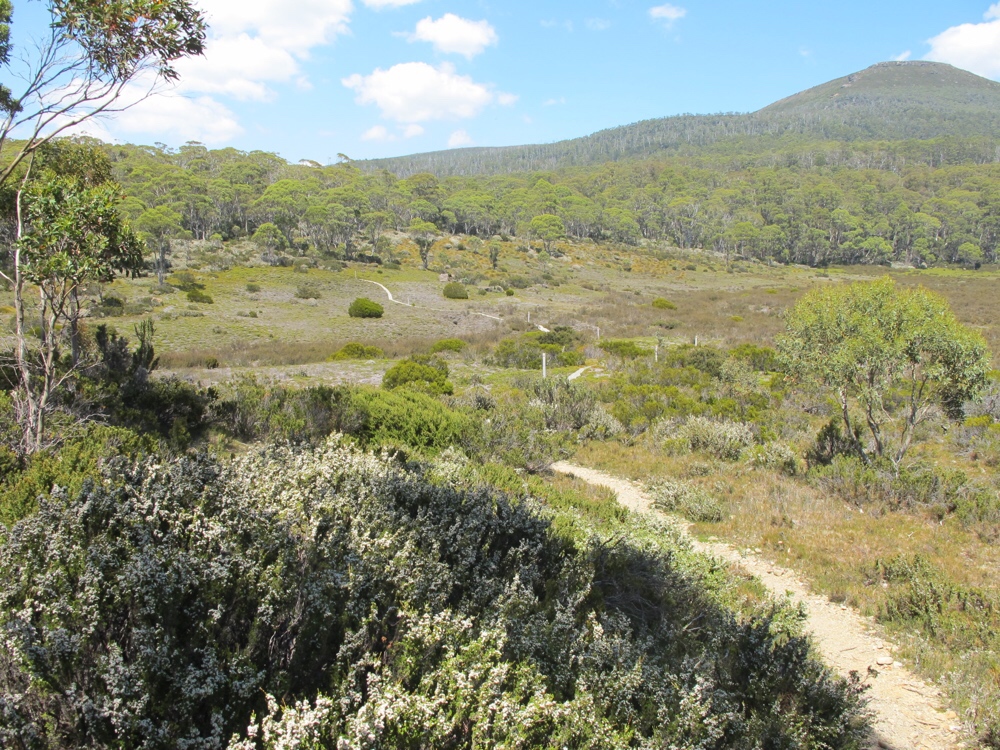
(543, 329)
(908, 713)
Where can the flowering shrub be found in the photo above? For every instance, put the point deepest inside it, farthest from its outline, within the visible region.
(724, 440)
(776, 456)
(689, 500)
(163, 605)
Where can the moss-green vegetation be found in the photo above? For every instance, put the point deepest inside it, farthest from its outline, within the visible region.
(363, 307)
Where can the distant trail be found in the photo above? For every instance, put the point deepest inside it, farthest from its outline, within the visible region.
(908, 711)
(577, 374)
(432, 309)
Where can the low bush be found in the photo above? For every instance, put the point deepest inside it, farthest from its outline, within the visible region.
(773, 456)
(686, 499)
(354, 350)
(625, 348)
(448, 345)
(308, 291)
(661, 303)
(199, 297)
(253, 288)
(721, 439)
(363, 307)
(920, 486)
(385, 611)
(69, 467)
(425, 374)
(455, 290)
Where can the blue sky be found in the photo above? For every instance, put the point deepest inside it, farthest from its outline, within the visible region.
(370, 78)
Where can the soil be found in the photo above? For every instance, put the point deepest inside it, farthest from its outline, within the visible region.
(908, 713)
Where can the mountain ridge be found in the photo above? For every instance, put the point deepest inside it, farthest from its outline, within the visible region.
(889, 101)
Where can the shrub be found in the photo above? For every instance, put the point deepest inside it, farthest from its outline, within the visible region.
(689, 500)
(455, 290)
(199, 297)
(355, 350)
(363, 307)
(162, 606)
(253, 288)
(724, 440)
(426, 374)
(308, 291)
(448, 345)
(774, 456)
(660, 303)
(519, 352)
(625, 348)
(68, 467)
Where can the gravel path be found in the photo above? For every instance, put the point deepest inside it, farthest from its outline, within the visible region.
(908, 712)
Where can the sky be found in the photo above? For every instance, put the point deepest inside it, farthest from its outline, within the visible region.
(312, 79)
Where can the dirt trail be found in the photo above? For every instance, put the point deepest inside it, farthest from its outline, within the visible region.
(908, 712)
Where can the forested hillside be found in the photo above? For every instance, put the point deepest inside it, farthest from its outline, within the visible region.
(888, 102)
(826, 203)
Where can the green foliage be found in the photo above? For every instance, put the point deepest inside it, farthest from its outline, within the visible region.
(428, 374)
(872, 344)
(69, 467)
(253, 288)
(920, 486)
(200, 297)
(689, 500)
(405, 417)
(270, 238)
(462, 612)
(661, 303)
(720, 439)
(455, 290)
(308, 291)
(625, 348)
(363, 307)
(354, 350)
(548, 228)
(448, 345)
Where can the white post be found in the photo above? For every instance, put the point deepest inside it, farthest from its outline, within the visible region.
(545, 358)
(696, 340)
(656, 354)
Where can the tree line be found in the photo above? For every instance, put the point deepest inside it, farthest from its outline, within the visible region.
(785, 208)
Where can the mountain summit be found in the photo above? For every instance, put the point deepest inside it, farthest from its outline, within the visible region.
(890, 101)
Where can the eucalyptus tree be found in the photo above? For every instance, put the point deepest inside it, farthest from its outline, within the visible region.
(890, 354)
(68, 227)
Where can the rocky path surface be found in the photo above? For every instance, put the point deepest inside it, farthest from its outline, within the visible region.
(909, 714)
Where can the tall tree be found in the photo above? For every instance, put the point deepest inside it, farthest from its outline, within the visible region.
(68, 230)
(70, 234)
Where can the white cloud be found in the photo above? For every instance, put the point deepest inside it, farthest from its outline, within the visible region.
(171, 115)
(413, 131)
(382, 4)
(903, 56)
(306, 24)
(598, 24)
(454, 35)
(377, 133)
(971, 46)
(507, 100)
(554, 102)
(240, 67)
(418, 92)
(253, 45)
(667, 13)
(459, 138)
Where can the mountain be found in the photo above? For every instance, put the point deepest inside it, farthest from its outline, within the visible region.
(891, 101)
